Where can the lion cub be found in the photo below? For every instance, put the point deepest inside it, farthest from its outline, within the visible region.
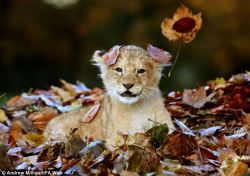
(131, 76)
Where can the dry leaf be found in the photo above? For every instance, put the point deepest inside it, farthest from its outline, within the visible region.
(183, 26)
(34, 139)
(15, 132)
(158, 54)
(90, 115)
(40, 119)
(3, 117)
(184, 128)
(210, 131)
(196, 98)
(66, 96)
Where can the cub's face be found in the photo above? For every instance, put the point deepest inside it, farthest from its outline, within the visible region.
(133, 77)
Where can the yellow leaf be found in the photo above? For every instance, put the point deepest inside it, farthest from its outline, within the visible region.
(34, 139)
(3, 117)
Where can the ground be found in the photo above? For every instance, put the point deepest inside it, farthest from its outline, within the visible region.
(212, 136)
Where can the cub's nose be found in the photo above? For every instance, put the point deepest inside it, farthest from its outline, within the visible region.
(128, 86)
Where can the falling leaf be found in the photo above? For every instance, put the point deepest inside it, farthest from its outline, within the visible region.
(90, 115)
(196, 98)
(183, 26)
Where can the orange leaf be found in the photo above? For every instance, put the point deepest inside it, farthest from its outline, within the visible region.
(183, 26)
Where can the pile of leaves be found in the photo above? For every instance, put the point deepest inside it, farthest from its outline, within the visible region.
(212, 134)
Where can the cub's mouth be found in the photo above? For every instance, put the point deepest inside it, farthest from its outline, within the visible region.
(128, 94)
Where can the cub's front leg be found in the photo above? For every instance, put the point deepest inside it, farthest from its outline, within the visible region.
(60, 127)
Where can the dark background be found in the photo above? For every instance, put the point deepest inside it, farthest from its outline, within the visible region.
(41, 42)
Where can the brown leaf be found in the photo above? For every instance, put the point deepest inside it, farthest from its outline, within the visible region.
(12, 102)
(34, 139)
(236, 169)
(15, 132)
(90, 115)
(20, 101)
(74, 145)
(65, 96)
(40, 119)
(179, 145)
(183, 26)
(69, 164)
(50, 152)
(196, 98)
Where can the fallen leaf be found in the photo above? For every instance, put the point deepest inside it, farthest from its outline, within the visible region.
(40, 119)
(196, 98)
(75, 89)
(210, 131)
(90, 115)
(3, 128)
(69, 164)
(184, 128)
(74, 145)
(5, 162)
(3, 116)
(66, 96)
(21, 101)
(236, 169)
(15, 132)
(12, 101)
(34, 139)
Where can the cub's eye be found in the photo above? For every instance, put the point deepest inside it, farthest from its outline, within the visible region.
(118, 69)
(141, 71)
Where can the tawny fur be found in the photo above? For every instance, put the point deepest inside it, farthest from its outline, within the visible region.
(119, 114)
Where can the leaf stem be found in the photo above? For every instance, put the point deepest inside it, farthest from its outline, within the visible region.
(176, 58)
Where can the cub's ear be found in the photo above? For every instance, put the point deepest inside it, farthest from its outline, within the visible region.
(159, 55)
(108, 58)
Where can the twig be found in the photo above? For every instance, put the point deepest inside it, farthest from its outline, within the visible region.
(176, 58)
